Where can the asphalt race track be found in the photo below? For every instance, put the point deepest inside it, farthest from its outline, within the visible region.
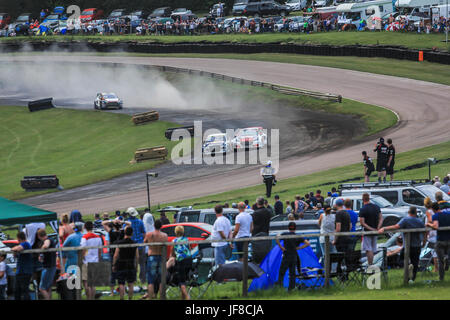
(422, 108)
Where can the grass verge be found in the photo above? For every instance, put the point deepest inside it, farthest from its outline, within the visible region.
(80, 147)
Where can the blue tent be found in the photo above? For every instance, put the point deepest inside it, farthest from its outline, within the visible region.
(271, 266)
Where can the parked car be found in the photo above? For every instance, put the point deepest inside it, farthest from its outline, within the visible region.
(192, 231)
(117, 14)
(263, 8)
(21, 24)
(91, 14)
(53, 20)
(160, 12)
(183, 17)
(216, 144)
(296, 5)
(391, 215)
(214, 10)
(249, 138)
(206, 215)
(107, 101)
(181, 11)
(174, 210)
(5, 19)
(399, 193)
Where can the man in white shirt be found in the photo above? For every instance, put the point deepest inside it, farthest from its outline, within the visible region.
(242, 228)
(90, 239)
(149, 222)
(221, 230)
(268, 174)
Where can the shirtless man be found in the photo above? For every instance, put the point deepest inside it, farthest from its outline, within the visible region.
(154, 258)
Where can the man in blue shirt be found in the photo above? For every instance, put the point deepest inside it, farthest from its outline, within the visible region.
(441, 218)
(75, 216)
(353, 219)
(417, 239)
(138, 237)
(24, 268)
(73, 240)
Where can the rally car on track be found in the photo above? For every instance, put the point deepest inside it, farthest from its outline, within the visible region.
(216, 144)
(249, 138)
(107, 101)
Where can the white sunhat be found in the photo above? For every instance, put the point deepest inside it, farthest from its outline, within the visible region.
(132, 212)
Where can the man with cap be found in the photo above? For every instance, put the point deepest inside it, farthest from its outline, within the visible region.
(391, 159)
(382, 151)
(368, 166)
(138, 237)
(290, 257)
(268, 174)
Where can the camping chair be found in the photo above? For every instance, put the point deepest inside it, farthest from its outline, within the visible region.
(365, 272)
(336, 264)
(426, 258)
(352, 267)
(314, 276)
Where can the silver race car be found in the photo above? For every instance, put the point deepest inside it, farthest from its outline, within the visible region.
(216, 144)
(107, 101)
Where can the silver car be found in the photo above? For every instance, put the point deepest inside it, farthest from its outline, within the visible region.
(107, 101)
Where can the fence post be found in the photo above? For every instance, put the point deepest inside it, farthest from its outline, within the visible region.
(162, 294)
(407, 245)
(327, 261)
(245, 270)
(80, 265)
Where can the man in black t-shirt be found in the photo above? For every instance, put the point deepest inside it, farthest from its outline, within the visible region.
(290, 257)
(371, 219)
(368, 166)
(343, 224)
(391, 159)
(125, 263)
(382, 157)
(278, 206)
(261, 221)
(48, 264)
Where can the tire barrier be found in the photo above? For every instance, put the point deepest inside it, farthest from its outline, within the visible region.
(38, 105)
(381, 51)
(39, 182)
(141, 118)
(169, 131)
(152, 153)
(298, 92)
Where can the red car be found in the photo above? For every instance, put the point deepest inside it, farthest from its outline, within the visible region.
(91, 14)
(5, 19)
(192, 230)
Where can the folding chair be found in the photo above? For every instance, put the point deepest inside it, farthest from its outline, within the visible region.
(353, 267)
(336, 264)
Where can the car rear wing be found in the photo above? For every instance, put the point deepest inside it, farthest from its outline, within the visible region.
(390, 184)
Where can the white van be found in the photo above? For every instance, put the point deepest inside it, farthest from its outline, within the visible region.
(415, 10)
(352, 13)
(440, 11)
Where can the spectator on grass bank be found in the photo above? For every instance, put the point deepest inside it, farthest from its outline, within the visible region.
(441, 218)
(290, 260)
(243, 227)
(75, 216)
(164, 219)
(368, 166)
(138, 237)
(269, 207)
(74, 240)
(432, 234)
(149, 222)
(300, 206)
(417, 239)
(288, 207)
(181, 259)
(343, 224)
(326, 223)
(391, 159)
(48, 264)
(125, 264)
(221, 230)
(261, 218)
(319, 197)
(97, 221)
(278, 206)
(382, 151)
(154, 259)
(354, 220)
(24, 268)
(371, 219)
(90, 256)
(65, 229)
(3, 277)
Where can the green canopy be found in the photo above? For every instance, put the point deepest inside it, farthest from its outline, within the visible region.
(12, 213)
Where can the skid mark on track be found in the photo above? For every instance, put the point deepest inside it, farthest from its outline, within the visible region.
(18, 142)
(36, 149)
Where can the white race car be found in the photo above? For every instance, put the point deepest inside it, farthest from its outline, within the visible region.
(216, 144)
(107, 101)
(249, 138)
